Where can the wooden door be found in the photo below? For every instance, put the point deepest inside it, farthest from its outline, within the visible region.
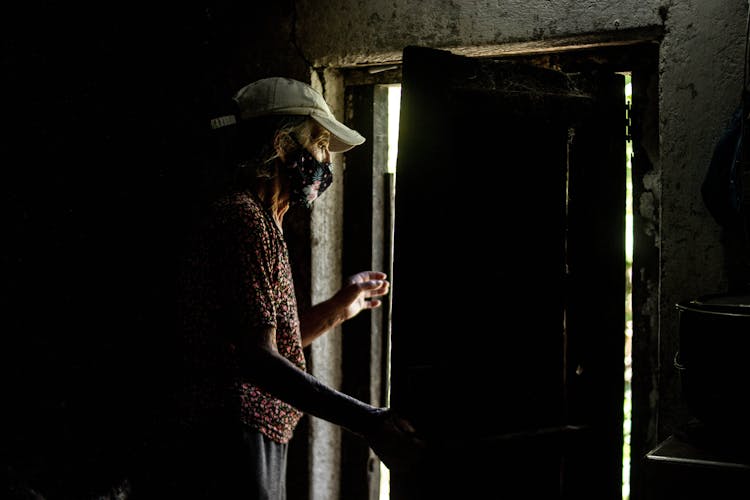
(508, 281)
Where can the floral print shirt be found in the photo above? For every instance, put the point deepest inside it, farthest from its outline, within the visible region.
(236, 281)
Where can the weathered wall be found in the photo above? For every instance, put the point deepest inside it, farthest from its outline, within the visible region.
(701, 81)
(344, 32)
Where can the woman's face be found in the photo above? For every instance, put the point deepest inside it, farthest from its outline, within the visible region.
(318, 146)
(308, 172)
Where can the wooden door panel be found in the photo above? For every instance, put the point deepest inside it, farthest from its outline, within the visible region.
(481, 277)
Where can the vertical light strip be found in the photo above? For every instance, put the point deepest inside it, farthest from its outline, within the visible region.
(394, 112)
(627, 400)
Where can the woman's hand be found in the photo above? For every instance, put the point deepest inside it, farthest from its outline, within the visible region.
(361, 291)
(395, 442)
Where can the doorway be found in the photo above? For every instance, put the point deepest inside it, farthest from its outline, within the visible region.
(422, 367)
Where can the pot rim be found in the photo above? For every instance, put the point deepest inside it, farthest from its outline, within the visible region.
(706, 304)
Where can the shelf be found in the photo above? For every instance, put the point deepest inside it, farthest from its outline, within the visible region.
(680, 469)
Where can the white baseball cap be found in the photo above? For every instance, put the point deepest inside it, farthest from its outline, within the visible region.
(285, 96)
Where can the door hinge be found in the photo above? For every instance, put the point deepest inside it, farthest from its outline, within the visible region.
(628, 121)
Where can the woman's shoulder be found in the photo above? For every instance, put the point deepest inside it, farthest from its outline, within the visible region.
(242, 205)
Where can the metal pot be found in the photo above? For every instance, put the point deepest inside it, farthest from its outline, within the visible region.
(714, 342)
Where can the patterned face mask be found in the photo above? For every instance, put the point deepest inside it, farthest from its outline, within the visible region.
(309, 177)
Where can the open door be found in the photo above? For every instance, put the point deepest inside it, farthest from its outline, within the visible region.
(508, 281)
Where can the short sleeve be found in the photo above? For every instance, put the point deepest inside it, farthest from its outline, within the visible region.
(247, 267)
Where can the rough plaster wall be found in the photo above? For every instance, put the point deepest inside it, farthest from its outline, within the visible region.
(347, 32)
(325, 356)
(700, 72)
(700, 85)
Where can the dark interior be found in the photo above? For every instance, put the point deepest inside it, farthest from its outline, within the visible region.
(105, 149)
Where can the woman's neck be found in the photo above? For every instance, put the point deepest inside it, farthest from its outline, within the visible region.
(274, 199)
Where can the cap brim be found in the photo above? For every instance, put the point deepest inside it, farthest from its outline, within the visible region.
(342, 137)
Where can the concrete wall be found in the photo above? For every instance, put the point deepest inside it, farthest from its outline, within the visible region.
(345, 32)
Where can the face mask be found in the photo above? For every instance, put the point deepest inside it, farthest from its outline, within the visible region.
(309, 177)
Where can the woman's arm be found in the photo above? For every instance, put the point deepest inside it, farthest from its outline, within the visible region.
(265, 367)
(392, 438)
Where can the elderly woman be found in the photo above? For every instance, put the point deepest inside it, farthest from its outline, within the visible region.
(246, 384)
